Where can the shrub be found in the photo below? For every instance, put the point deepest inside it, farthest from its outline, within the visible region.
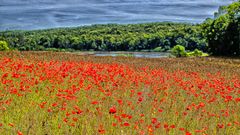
(3, 46)
(178, 51)
(196, 52)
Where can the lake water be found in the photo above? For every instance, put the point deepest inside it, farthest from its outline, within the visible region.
(39, 14)
(133, 54)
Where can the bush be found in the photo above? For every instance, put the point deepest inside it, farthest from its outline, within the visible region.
(196, 53)
(3, 46)
(158, 49)
(178, 51)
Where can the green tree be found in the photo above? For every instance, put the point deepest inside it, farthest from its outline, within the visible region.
(223, 33)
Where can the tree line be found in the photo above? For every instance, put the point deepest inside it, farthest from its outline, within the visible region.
(110, 37)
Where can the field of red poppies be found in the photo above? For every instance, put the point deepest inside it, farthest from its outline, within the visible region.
(59, 93)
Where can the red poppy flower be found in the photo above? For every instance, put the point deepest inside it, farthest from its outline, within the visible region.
(19, 132)
(112, 110)
(126, 124)
(188, 133)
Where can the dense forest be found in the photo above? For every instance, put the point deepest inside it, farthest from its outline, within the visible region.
(219, 36)
(111, 37)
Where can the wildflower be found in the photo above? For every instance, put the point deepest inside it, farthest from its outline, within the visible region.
(229, 124)
(101, 131)
(140, 99)
(120, 101)
(158, 125)
(112, 110)
(154, 120)
(160, 110)
(188, 133)
(220, 125)
(94, 102)
(126, 124)
(181, 129)
(11, 124)
(114, 124)
(75, 119)
(172, 126)
(19, 132)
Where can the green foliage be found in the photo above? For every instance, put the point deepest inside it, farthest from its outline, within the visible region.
(196, 53)
(158, 49)
(111, 37)
(53, 49)
(178, 51)
(223, 33)
(3, 46)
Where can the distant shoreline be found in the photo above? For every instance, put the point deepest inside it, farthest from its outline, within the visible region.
(107, 24)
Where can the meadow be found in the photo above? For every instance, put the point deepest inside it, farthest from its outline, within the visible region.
(50, 93)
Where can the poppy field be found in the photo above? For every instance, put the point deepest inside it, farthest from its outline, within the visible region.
(43, 93)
